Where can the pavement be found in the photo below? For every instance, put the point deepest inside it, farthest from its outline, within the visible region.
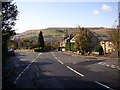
(8, 69)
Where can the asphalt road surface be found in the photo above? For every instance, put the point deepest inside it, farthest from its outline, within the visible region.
(59, 70)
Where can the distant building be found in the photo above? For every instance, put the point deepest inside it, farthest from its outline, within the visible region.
(64, 42)
(69, 42)
(106, 44)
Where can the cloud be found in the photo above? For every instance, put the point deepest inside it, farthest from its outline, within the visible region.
(106, 7)
(96, 12)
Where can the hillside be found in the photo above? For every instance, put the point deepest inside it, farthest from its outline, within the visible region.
(56, 34)
(50, 34)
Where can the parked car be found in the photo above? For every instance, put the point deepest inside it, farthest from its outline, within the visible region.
(11, 52)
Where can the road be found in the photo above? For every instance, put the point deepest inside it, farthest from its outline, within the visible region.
(59, 70)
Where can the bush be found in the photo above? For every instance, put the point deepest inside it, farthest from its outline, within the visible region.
(99, 49)
(38, 50)
(70, 46)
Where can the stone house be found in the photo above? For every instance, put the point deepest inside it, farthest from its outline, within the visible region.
(106, 44)
(71, 41)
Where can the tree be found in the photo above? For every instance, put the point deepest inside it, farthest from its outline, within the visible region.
(26, 43)
(12, 44)
(82, 39)
(41, 41)
(115, 39)
(99, 49)
(9, 15)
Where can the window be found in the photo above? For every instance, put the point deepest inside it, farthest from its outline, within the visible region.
(110, 50)
(103, 42)
(110, 43)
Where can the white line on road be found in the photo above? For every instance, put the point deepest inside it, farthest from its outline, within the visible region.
(37, 74)
(61, 62)
(57, 58)
(26, 68)
(75, 71)
(69, 67)
(87, 60)
(103, 63)
(112, 66)
(118, 68)
(100, 62)
(53, 54)
(108, 65)
(103, 85)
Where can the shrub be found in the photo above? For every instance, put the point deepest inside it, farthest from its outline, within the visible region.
(38, 50)
(99, 49)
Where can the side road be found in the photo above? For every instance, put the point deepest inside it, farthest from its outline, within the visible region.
(89, 56)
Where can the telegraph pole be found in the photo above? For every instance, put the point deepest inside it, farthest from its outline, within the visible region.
(118, 28)
(119, 14)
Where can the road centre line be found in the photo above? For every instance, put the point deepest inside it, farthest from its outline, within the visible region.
(75, 71)
(53, 54)
(61, 62)
(103, 85)
(26, 68)
(69, 67)
(57, 58)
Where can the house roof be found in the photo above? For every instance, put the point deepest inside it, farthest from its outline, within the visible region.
(68, 37)
(104, 38)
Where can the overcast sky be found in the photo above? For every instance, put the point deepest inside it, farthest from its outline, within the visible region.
(40, 15)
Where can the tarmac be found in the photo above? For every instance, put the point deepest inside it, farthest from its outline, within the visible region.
(8, 69)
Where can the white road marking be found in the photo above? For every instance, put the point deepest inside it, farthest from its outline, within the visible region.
(108, 65)
(87, 60)
(21, 53)
(61, 62)
(103, 63)
(100, 62)
(26, 68)
(118, 68)
(68, 66)
(53, 54)
(74, 62)
(103, 85)
(37, 74)
(112, 66)
(57, 58)
(75, 71)
(99, 59)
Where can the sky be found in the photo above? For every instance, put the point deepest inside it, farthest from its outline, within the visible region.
(41, 15)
